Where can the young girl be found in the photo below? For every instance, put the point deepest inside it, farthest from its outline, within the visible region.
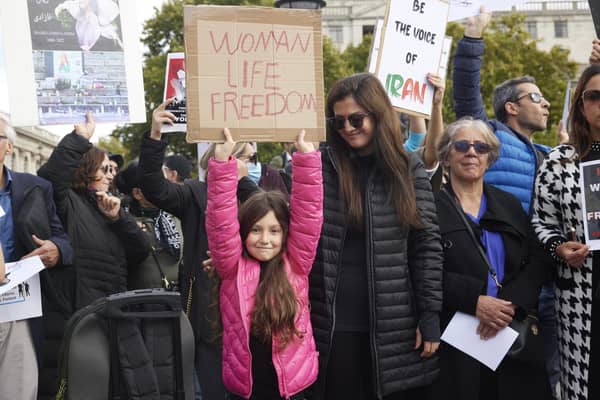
(263, 262)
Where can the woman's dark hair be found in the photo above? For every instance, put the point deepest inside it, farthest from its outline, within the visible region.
(579, 129)
(274, 310)
(85, 174)
(391, 158)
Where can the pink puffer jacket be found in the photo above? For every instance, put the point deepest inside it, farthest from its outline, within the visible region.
(297, 364)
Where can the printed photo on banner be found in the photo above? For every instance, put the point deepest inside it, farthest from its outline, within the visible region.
(175, 88)
(590, 183)
(74, 56)
(411, 46)
(78, 58)
(256, 70)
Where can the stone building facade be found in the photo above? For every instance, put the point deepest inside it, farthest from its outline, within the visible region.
(564, 23)
(33, 148)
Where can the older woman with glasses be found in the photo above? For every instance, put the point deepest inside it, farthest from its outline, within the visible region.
(491, 270)
(559, 223)
(106, 240)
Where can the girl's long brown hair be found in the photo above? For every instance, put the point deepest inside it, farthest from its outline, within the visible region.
(391, 158)
(274, 310)
(579, 129)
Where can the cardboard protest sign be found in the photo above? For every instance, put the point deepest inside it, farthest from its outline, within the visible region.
(590, 184)
(256, 70)
(175, 88)
(73, 57)
(411, 46)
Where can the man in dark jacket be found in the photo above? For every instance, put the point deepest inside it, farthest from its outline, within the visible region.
(19, 376)
(521, 110)
(198, 292)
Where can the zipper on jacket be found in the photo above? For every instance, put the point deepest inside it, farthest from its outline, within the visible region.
(243, 312)
(285, 391)
(371, 292)
(337, 284)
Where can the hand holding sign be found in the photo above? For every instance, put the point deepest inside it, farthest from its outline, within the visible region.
(223, 150)
(301, 145)
(595, 54)
(161, 116)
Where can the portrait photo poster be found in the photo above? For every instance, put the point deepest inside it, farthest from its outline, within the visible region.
(74, 56)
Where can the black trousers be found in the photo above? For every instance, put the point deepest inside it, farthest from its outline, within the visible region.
(208, 367)
(350, 372)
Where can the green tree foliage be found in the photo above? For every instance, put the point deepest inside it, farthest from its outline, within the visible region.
(510, 51)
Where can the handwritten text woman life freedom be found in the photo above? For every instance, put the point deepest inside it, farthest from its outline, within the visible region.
(256, 75)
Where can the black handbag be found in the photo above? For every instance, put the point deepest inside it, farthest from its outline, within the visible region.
(529, 346)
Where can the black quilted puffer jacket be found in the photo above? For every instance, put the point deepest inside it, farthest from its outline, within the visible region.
(404, 280)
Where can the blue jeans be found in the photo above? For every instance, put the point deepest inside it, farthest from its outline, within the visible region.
(547, 317)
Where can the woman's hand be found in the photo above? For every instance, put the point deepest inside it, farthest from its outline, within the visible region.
(574, 253)
(108, 205)
(301, 145)
(494, 313)
(440, 86)
(87, 129)
(429, 348)
(161, 116)
(223, 150)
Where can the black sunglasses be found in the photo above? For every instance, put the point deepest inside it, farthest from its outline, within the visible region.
(591, 95)
(106, 169)
(463, 146)
(534, 96)
(355, 119)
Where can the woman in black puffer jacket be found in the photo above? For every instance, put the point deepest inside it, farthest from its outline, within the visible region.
(376, 286)
(106, 241)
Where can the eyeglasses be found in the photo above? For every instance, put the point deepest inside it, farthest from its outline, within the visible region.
(106, 169)
(253, 158)
(355, 119)
(534, 96)
(463, 146)
(591, 95)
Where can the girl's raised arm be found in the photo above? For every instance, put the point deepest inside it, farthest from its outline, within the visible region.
(222, 226)
(306, 206)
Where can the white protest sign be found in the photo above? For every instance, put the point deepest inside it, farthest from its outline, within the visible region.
(20, 294)
(446, 48)
(175, 88)
(372, 65)
(411, 47)
(589, 173)
(460, 9)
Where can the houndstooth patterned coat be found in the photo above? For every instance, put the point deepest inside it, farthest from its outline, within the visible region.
(557, 208)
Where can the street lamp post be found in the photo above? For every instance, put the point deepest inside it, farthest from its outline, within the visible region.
(305, 4)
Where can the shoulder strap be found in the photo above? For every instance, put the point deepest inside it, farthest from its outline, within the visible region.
(478, 246)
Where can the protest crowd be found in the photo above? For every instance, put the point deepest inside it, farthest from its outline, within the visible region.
(331, 272)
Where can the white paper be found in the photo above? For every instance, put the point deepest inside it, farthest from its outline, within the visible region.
(2, 213)
(460, 9)
(21, 297)
(461, 333)
(446, 47)
(589, 181)
(175, 87)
